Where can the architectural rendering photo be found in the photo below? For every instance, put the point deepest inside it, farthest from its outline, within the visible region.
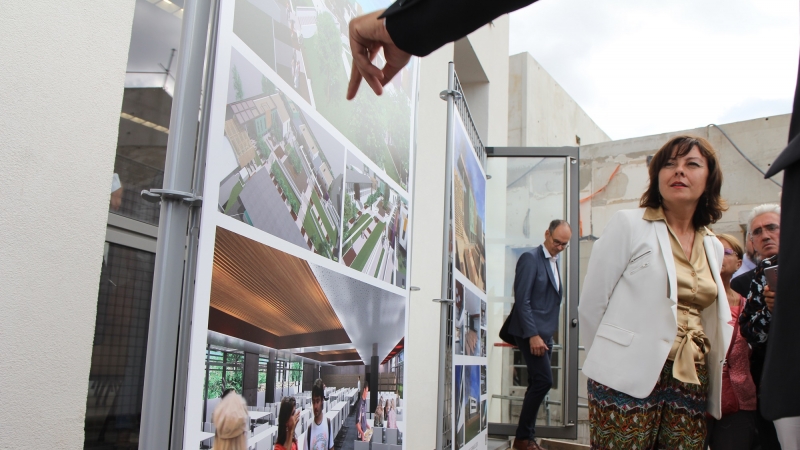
(467, 322)
(375, 231)
(306, 43)
(470, 210)
(287, 171)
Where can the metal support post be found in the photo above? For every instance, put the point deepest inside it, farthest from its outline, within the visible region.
(160, 412)
(446, 260)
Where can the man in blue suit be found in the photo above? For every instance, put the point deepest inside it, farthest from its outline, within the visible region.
(534, 321)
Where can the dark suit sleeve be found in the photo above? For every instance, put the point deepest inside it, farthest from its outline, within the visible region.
(421, 26)
(523, 284)
(741, 284)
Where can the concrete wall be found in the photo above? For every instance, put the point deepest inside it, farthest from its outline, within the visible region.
(61, 86)
(541, 113)
(613, 174)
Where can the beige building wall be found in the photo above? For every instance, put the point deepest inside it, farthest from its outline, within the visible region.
(61, 86)
(541, 113)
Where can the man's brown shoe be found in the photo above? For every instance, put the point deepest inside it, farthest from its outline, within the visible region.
(532, 445)
(521, 444)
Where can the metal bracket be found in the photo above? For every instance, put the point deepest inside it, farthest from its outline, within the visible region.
(443, 95)
(443, 300)
(157, 195)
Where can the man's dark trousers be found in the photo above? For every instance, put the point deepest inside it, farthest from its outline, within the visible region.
(540, 380)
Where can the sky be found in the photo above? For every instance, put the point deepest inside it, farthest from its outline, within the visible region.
(641, 67)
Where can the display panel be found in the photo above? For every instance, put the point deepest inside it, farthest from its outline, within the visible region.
(306, 228)
(469, 293)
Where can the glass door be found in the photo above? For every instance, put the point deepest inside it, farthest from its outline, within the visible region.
(529, 187)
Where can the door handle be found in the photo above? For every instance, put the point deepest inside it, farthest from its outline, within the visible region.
(574, 323)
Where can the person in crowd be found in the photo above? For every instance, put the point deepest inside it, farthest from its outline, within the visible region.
(319, 435)
(653, 311)
(391, 414)
(534, 321)
(750, 258)
(288, 416)
(378, 416)
(736, 430)
(231, 420)
(763, 226)
(740, 281)
(364, 431)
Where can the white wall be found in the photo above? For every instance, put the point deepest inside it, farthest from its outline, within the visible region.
(61, 86)
(422, 341)
(541, 112)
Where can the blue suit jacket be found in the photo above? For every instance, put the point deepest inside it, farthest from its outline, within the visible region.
(536, 300)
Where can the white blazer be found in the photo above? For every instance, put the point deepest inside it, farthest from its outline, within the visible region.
(628, 308)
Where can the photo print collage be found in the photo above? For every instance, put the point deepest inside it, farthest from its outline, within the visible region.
(305, 235)
(469, 292)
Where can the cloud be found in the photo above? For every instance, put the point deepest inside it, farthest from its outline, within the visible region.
(646, 67)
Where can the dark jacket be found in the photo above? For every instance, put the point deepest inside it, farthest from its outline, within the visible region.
(421, 26)
(536, 300)
(741, 284)
(780, 391)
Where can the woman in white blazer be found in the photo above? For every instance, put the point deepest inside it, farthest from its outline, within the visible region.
(653, 311)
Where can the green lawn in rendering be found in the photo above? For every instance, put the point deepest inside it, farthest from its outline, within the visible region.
(366, 250)
(332, 237)
(314, 233)
(358, 226)
(237, 189)
(380, 261)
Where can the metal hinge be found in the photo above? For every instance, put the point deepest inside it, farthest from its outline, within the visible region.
(157, 195)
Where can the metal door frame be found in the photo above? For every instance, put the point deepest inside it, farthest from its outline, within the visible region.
(570, 430)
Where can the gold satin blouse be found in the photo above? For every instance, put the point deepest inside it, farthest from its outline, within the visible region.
(697, 290)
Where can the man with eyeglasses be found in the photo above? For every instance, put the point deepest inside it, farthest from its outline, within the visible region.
(764, 231)
(534, 320)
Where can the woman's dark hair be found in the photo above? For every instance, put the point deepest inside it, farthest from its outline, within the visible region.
(711, 205)
(286, 411)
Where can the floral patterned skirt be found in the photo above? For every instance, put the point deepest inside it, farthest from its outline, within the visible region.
(671, 417)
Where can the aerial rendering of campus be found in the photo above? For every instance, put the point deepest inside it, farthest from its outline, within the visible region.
(375, 231)
(306, 42)
(287, 178)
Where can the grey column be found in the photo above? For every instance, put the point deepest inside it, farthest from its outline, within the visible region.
(158, 408)
(374, 378)
(272, 372)
(250, 379)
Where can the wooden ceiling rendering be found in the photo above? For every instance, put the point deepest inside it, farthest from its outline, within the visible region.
(269, 297)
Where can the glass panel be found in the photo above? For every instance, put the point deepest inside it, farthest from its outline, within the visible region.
(130, 178)
(116, 377)
(523, 196)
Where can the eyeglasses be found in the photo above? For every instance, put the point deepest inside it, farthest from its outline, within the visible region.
(558, 243)
(730, 251)
(771, 227)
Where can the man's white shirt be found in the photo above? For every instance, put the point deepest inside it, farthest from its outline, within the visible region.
(553, 265)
